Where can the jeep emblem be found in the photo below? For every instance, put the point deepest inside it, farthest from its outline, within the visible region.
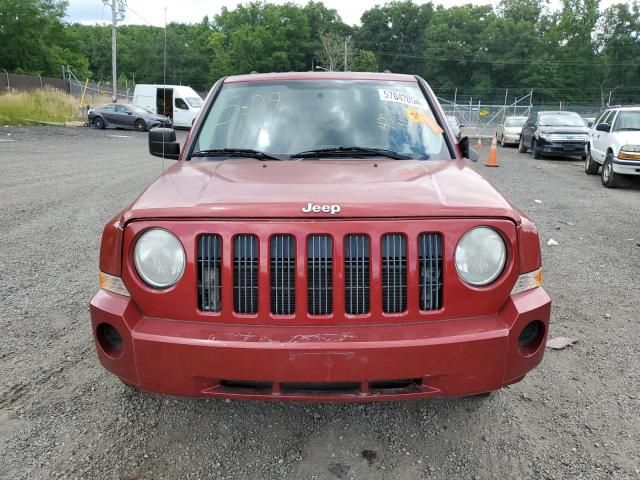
(316, 208)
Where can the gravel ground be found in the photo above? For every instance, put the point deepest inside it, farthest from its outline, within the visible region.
(63, 416)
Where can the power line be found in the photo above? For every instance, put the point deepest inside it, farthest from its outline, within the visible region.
(139, 16)
(503, 62)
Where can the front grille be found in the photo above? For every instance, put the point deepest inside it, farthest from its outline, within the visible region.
(394, 273)
(209, 280)
(367, 265)
(430, 271)
(245, 274)
(283, 275)
(320, 274)
(356, 274)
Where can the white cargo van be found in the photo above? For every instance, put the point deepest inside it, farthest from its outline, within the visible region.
(180, 103)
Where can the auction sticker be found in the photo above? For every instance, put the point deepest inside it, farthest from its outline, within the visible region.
(415, 115)
(400, 97)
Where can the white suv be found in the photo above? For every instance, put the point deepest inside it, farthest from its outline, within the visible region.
(614, 143)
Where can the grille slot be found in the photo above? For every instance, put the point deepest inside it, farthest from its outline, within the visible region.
(320, 274)
(430, 271)
(283, 274)
(209, 278)
(356, 274)
(394, 273)
(245, 274)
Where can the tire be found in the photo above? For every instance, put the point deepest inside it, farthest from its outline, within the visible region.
(502, 144)
(535, 150)
(140, 126)
(609, 178)
(521, 147)
(591, 167)
(98, 123)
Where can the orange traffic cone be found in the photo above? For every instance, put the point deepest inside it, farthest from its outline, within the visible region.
(479, 144)
(492, 158)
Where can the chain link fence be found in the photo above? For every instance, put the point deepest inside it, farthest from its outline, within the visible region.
(16, 81)
(481, 118)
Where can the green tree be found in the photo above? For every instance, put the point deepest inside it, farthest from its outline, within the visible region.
(619, 41)
(395, 33)
(34, 38)
(364, 61)
(457, 48)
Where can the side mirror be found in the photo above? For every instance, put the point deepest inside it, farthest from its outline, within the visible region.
(603, 127)
(163, 144)
(129, 112)
(467, 151)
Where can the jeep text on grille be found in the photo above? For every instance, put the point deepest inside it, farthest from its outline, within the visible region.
(319, 238)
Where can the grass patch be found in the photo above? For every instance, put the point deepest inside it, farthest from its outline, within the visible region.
(45, 105)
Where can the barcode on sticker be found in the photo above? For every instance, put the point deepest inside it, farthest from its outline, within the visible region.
(400, 97)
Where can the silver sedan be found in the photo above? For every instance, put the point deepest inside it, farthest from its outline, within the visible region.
(508, 133)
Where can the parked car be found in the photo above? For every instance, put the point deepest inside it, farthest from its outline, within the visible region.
(614, 143)
(508, 133)
(554, 133)
(181, 103)
(453, 122)
(125, 116)
(345, 255)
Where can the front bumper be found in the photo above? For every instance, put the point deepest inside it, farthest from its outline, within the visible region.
(626, 167)
(159, 123)
(326, 363)
(511, 138)
(564, 149)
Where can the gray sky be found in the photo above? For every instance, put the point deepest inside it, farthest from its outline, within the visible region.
(191, 11)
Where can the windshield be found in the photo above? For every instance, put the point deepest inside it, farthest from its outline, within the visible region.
(288, 117)
(628, 120)
(560, 120)
(515, 122)
(138, 109)
(194, 101)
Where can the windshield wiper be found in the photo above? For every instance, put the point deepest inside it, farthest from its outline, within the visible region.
(235, 152)
(351, 151)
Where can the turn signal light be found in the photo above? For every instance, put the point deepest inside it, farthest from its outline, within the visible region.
(629, 155)
(527, 281)
(113, 284)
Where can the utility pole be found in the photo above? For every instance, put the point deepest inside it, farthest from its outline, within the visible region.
(117, 15)
(345, 54)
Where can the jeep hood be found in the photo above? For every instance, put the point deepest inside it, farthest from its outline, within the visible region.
(246, 188)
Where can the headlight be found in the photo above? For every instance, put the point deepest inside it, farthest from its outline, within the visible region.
(159, 258)
(630, 148)
(629, 152)
(480, 256)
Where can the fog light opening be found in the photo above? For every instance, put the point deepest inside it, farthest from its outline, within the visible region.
(531, 337)
(109, 339)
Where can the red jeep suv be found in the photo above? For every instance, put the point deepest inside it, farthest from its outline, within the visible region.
(319, 238)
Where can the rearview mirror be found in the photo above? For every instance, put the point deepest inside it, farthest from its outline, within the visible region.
(467, 151)
(603, 127)
(163, 144)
